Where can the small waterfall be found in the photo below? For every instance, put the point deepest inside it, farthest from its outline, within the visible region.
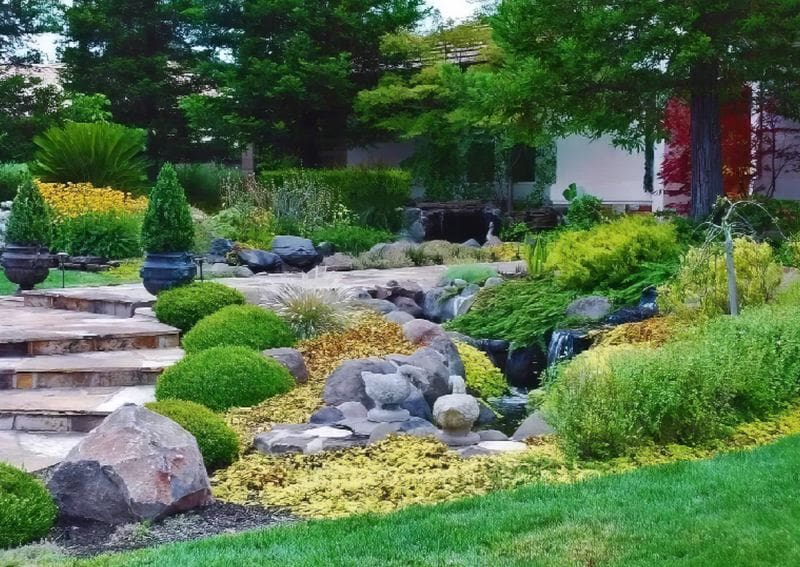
(564, 345)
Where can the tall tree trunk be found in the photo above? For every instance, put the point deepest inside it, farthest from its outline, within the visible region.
(707, 184)
(649, 163)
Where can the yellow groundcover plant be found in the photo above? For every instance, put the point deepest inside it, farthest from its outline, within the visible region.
(75, 199)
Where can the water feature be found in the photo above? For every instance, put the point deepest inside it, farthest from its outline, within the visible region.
(512, 409)
(565, 344)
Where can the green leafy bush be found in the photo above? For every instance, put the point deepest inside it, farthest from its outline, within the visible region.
(27, 510)
(701, 285)
(772, 217)
(609, 400)
(218, 443)
(29, 223)
(184, 306)
(239, 325)
(351, 239)
(584, 212)
(522, 312)
(603, 257)
(112, 235)
(247, 225)
(482, 377)
(102, 153)
(203, 183)
(11, 177)
(470, 273)
(167, 225)
(224, 377)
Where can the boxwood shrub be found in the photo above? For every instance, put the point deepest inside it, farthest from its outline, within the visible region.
(224, 377)
(184, 306)
(239, 325)
(218, 443)
(27, 510)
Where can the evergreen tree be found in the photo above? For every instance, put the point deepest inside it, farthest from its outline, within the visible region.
(167, 225)
(29, 223)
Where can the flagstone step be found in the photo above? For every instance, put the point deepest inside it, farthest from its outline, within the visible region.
(117, 301)
(32, 331)
(87, 370)
(32, 451)
(65, 409)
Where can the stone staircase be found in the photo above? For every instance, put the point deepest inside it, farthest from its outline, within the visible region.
(62, 371)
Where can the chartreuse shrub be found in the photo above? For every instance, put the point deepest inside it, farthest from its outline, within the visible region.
(521, 311)
(351, 239)
(690, 391)
(27, 510)
(101, 153)
(483, 377)
(239, 325)
(604, 256)
(218, 443)
(184, 306)
(701, 285)
(29, 223)
(224, 377)
(167, 225)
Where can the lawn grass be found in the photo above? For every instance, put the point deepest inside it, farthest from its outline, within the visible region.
(740, 508)
(123, 274)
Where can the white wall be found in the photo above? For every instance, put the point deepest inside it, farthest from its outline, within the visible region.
(787, 184)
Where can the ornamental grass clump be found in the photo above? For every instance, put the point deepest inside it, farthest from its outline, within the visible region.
(30, 222)
(218, 443)
(167, 225)
(224, 377)
(27, 511)
(239, 325)
(184, 306)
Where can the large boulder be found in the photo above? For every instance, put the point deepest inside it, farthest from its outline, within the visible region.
(296, 252)
(425, 333)
(135, 466)
(533, 426)
(407, 305)
(593, 308)
(346, 384)
(218, 250)
(292, 359)
(338, 262)
(427, 371)
(260, 261)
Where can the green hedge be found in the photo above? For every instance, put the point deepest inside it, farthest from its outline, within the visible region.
(734, 369)
(224, 377)
(11, 176)
(184, 306)
(351, 239)
(112, 235)
(239, 325)
(374, 194)
(27, 510)
(218, 443)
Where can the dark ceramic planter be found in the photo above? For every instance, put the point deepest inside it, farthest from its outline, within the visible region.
(167, 270)
(26, 266)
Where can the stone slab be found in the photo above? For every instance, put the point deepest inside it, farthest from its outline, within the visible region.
(72, 401)
(34, 451)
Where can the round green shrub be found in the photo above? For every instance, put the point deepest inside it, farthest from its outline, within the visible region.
(218, 443)
(224, 377)
(239, 325)
(184, 306)
(27, 511)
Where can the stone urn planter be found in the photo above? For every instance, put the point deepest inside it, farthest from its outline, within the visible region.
(388, 391)
(166, 270)
(26, 266)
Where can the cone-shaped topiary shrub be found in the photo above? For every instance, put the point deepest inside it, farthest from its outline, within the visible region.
(167, 225)
(29, 223)
(218, 443)
(184, 306)
(27, 510)
(224, 377)
(239, 325)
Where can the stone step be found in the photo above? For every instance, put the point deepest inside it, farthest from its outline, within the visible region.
(33, 331)
(32, 451)
(64, 410)
(117, 301)
(86, 370)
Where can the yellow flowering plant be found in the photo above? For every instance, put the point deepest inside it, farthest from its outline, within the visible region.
(69, 200)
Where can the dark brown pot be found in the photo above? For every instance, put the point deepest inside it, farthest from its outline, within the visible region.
(26, 266)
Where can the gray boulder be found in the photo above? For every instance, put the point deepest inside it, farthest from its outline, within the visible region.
(415, 426)
(493, 282)
(471, 243)
(220, 270)
(422, 332)
(382, 306)
(432, 378)
(352, 410)
(135, 466)
(338, 262)
(593, 307)
(416, 405)
(218, 250)
(242, 272)
(327, 414)
(408, 305)
(291, 359)
(533, 426)
(295, 251)
(346, 384)
(260, 261)
(492, 435)
(325, 249)
(399, 317)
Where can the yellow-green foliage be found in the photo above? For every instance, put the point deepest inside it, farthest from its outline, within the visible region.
(651, 332)
(370, 335)
(402, 471)
(605, 255)
(483, 377)
(701, 286)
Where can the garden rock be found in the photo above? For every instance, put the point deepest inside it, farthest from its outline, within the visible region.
(408, 305)
(416, 404)
(413, 225)
(421, 332)
(346, 384)
(447, 348)
(295, 251)
(486, 415)
(382, 306)
(493, 282)
(399, 317)
(221, 270)
(414, 426)
(338, 262)
(533, 426)
(427, 371)
(292, 359)
(218, 250)
(325, 249)
(456, 414)
(135, 466)
(352, 410)
(471, 243)
(260, 261)
(242, 272)
(593, 307)
(327, 414)
(492, 435)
